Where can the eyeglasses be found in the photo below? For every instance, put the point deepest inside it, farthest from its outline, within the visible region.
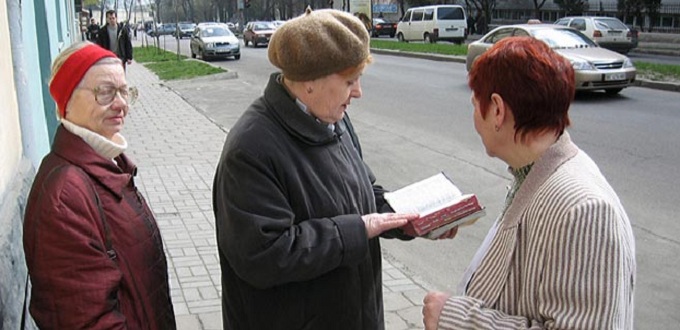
(105, 94)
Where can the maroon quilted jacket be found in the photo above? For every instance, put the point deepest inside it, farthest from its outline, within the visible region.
(98, 265)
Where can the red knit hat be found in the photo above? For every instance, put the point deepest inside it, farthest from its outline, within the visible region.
(72, 71)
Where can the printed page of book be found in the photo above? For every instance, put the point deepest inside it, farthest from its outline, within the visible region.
(425, 196)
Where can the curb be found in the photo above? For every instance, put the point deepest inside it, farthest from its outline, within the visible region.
(645, 83)
(659, 85)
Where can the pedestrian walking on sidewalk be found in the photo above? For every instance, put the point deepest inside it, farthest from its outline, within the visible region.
(562, 253)
(92, 30)
(296, 208)
(93, 249)
(115, 37)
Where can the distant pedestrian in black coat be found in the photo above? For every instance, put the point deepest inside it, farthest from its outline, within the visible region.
(116, 38)
(92, 30)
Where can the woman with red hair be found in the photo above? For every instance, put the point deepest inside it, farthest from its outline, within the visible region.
(93, 248)
(561, 255)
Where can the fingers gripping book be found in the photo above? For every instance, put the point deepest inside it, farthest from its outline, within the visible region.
(441, 205)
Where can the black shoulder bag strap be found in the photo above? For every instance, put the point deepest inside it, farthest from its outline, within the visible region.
(107, 233)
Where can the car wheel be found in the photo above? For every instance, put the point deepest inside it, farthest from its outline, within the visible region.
(400, 37)
(237, 57)
(613, 91)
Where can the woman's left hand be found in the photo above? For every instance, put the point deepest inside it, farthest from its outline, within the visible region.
(433, 305)
(377, 223)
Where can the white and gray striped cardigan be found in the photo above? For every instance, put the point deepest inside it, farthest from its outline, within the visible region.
(563, 256)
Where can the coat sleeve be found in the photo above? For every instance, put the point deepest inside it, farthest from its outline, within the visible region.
(586, 281)
(74, 282)
(260, 235)
(102, 37)
(125, 42)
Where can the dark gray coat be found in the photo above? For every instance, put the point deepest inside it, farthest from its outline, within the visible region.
(288, 197)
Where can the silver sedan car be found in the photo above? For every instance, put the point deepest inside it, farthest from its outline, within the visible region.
(595, 68)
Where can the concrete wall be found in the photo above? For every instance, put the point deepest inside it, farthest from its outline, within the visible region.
(14, 173)
(32, 33)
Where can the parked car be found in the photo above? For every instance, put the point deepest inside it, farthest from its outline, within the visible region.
(433, 23)
(163, 30)
(596, 68)
(185, 30)
(608, 32)
(257, 33)
(382, 27)
(214, 40)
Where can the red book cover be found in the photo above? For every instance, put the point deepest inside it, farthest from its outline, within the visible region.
(439, 203)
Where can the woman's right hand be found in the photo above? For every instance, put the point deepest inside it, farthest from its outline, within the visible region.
(377, 223)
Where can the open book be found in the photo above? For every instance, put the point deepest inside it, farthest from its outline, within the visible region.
(439, 202)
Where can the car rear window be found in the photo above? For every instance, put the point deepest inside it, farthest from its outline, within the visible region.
(611, 23)
(450, 13)
(263, 26)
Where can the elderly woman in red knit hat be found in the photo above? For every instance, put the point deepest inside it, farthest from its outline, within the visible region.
(93, 249)
(295, 206)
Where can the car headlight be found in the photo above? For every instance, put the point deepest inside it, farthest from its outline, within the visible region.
(210, 45)
(580, 65)
(628, 63)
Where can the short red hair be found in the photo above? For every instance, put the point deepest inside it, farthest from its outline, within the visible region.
(536, 82)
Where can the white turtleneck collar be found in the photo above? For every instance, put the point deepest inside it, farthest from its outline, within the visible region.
(106, 148)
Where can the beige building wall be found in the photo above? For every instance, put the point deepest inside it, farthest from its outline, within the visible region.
(10, 133)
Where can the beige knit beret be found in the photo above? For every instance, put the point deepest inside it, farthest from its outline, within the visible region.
(319, 43)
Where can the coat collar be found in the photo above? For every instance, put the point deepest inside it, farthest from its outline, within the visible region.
(493, 272)
(293, 119)
(556, 155)
(72, 148)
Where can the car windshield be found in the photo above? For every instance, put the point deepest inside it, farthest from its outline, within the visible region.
(563, 38)
(215, 32)
(263, 26)
(186, 26)
(610, 23)
(378, 21)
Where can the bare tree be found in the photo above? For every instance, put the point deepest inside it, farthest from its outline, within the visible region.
(631, 8)
(652, 7)
(572, 7)
(188, 7)
(538, 4)
(483, 8)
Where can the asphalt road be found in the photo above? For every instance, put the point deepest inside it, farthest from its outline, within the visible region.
(415, 119)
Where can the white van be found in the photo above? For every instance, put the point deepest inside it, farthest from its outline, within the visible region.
(433, 23)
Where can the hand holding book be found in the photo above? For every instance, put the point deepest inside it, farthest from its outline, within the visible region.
(440, 204)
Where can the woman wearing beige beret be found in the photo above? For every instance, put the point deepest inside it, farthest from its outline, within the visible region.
(295, 206)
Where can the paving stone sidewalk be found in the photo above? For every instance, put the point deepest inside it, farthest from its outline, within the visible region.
(176, 149)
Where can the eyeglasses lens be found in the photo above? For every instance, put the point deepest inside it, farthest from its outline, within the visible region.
(106, 95)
